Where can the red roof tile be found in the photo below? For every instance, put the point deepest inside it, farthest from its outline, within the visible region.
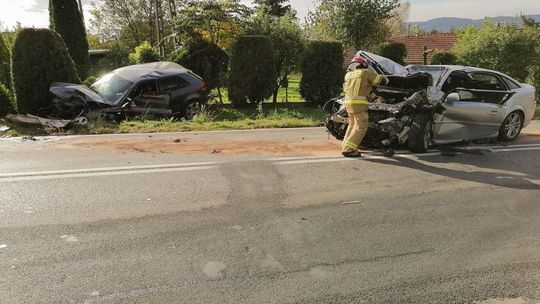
(415, 45)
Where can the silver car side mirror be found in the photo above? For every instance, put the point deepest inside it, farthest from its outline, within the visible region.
(452, 97)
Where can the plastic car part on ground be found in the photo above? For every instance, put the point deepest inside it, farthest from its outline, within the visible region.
(32, 120)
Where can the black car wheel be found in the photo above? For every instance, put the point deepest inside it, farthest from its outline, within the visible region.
(188, 110)
(511, 126)
(421, 133)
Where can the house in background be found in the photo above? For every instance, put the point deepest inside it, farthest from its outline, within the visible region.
(432, 42)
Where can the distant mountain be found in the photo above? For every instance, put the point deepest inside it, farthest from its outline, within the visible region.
(446, 24)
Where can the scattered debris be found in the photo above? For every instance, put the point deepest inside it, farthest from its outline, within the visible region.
(3, 246)
(69, 238)
(178, 140)
(216, 151)
(214, 269)
(148, 199)
(29, 138)
(4, 128)
(351, 203)
(303, 219)
(139, 150)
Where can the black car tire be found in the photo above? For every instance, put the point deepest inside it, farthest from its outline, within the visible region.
(511, 126)
(335, 129)
(188, 109)
(421, 133)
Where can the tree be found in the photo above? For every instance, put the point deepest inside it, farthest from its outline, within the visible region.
(287, 40)
(443, 58)
(220, 22)
(322, 71)
(274, 7)
(144, 53)
(204, 58)
(252, 68)
(35, 68)
(397, 25)
(359, 24)
(504, 48)
(5, 63)
(130, 21)
(66, 20)
(394, 51)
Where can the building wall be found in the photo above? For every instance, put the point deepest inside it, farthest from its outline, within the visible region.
(415, 45)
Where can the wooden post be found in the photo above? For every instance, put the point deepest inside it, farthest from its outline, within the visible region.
(159, 27)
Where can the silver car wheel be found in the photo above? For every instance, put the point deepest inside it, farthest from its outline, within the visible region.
(192, 109)
(512, 125)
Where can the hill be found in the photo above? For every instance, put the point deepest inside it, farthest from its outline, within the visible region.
(446, 24)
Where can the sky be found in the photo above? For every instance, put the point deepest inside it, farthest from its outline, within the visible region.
(34, 12)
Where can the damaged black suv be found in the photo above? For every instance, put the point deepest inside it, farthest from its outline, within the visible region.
(158, 88)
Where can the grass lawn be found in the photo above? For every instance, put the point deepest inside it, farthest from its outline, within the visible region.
(537, 113)
(293, 92)
(222, 119)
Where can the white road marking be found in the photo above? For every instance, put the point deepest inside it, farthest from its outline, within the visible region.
(111, 171)
(103, 173)
(108, 169)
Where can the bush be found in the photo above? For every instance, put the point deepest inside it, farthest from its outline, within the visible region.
(35, 68)
(204, 58)
(252, 71)
(6, 101)
(144, 53)
(5, 63)
(66, 20)
(505, 48)
(394, 51)
(443, 58)
(322, 71)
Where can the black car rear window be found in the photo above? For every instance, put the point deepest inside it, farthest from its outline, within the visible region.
(510, 83)
(172, 84)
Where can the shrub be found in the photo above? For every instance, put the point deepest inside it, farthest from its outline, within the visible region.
(89, 81)
(5, 63)
(35, 68)
(204, 58)
(6, 104)
(322, 71)
(394, 51)
(66, 20)
(252, 71)
(444, 58)
(144, 53)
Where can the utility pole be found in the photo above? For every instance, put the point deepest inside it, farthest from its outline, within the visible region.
(159, 27)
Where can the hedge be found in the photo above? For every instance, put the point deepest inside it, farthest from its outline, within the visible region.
(35, 68)
(252, 71)
(5, 63)
(66, 20)
(444, 58)
(6, 105)
(395, 51)
(205, 59)
(322, 71)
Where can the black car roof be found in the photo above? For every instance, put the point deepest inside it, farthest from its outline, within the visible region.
(153, 70)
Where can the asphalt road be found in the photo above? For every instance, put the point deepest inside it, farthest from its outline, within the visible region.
(99, 225)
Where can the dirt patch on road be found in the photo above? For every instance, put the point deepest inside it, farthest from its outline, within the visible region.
(189, 145)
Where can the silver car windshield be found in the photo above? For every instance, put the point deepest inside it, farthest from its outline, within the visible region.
(111, 87)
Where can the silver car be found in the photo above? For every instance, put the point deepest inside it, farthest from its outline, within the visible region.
(425, 105)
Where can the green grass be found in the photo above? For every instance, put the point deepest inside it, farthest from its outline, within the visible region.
(537, 113)
(293, 92)
(222, 119)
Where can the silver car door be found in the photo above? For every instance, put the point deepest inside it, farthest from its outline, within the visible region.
(473, 113)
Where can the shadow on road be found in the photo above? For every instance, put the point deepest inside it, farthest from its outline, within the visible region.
(491, 169)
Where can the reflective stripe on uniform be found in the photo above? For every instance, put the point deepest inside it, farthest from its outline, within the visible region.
(351, 145)
(378, 79)
(356, 102)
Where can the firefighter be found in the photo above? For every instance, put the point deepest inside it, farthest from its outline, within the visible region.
(357, 86)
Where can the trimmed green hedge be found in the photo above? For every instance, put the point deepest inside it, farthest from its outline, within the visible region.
(322, 71)
(40, 57)
(395, 51)
(66, 20)
(205, 59)
(5, 63)
(252, 71)
(6, 105)
(444, 58)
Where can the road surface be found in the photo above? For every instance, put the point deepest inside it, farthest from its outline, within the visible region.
(277, 217)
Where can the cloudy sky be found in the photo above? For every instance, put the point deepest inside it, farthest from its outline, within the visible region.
(34, 12)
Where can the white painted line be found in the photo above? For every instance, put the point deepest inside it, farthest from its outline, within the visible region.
(107, 169)
(517, 149)
(102, 173)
